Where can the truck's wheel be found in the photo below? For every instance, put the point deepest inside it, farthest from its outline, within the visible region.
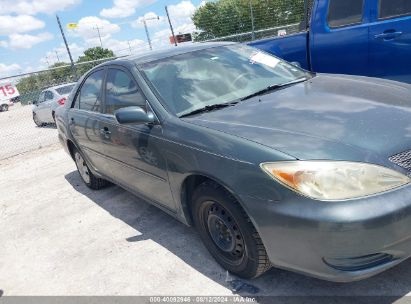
(4, 108)
(37, 121)
(228, 232)
(87, 176)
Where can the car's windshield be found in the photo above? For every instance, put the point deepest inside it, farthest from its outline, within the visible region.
(218, 75)
(65, 90)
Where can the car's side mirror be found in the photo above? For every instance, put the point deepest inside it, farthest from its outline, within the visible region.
(134, 115)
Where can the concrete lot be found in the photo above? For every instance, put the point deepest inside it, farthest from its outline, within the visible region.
(57, 237)
(19, 134)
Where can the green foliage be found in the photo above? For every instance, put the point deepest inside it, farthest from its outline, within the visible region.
(61, 72)
(229, 17)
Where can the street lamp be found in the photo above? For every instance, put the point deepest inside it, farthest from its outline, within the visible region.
(144, 20)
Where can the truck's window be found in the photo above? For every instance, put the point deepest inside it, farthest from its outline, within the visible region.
(89, 97)
(343, 13)
(394, 8)
(122, 91)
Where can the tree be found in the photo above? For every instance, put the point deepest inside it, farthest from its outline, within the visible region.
(229, 17)
(92, 54)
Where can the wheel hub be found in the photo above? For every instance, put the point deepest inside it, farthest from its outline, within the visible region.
(224, 231)
(82, 168)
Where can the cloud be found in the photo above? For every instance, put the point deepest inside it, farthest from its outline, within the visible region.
(87, 29)
(33, 7)
(127, 47)
(60, 54)
(124, 8)
(19, 24)
(183, 10)
(7, 70)
(25, 41)
(4, 43)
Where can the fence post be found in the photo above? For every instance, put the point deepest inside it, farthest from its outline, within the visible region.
(252, 21)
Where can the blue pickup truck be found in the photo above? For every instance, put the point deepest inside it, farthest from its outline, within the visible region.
(357, 37)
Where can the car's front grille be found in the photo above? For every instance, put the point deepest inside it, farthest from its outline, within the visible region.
(402, 159)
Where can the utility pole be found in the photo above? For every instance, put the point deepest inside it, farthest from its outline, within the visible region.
(99, 36)
(171, 26)
(67, 47)
(57, 55)
(129, 46)
(146, 28)
(252, 21)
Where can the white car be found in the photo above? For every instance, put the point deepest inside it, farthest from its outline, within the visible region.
(49, 100)
(5, 104)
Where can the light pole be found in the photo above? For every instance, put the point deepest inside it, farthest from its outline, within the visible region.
(146, 28)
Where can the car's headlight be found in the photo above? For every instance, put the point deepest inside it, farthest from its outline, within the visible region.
(334, 180)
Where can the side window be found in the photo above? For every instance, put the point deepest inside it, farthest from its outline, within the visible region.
(89, 97)
(48, 95)
(346, 12)
(122, 91)
(394, 8)
(41, 98)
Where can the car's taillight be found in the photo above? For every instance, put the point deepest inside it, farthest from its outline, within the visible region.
(61, 101)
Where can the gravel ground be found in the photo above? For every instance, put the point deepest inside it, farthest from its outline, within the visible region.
(19, 134)
(57, 237)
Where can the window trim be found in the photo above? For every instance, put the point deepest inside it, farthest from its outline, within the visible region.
(125, 70)
(389, 17)
(344, 25)
(104, 69)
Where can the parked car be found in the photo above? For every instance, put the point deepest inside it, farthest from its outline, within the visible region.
(369, 37)
(47, 103)
(272, 164)
(5, 104)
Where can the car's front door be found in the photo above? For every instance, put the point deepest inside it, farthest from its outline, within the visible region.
(134, 152)
(390, 40)
(339, 43)
(84, 120)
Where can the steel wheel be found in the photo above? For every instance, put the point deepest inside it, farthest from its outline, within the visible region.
(224, 231)
(82, 167)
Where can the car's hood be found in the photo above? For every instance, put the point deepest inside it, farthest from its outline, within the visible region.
(328, 112)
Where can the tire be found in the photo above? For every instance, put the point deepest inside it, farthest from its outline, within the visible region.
(228, 232)
(4, 108)
(92, 181)
(37, 121)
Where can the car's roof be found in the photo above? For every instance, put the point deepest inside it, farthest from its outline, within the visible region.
(170, 52)
(61, 86)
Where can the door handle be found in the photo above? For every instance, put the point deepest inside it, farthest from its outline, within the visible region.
(105, 131)
(388, 35)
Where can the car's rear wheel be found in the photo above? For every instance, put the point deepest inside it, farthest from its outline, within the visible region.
(228, 232)
(4, 108)
(87, 176)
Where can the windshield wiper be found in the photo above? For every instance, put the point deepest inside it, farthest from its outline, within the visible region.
(210, 108)
(273, 87)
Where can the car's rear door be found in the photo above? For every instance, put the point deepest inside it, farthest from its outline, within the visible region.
(390, 40)
(339, 37)
(134, 152)
(43, 106)
(84, 119)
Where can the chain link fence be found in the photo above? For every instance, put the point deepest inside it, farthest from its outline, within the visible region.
(220, 20)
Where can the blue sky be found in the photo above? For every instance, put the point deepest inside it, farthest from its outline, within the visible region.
(30, 38)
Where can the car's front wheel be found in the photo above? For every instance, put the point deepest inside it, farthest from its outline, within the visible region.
(228, 232)
(4, 108)
(87, 176)
(37, 121)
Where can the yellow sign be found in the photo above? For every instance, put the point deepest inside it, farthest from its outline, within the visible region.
(72, 26)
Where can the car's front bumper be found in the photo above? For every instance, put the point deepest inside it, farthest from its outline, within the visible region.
(336, 241)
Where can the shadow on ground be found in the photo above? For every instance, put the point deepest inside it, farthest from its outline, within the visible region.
(184, 242)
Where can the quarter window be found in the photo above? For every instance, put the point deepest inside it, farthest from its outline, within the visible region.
(345, 12)
(49, 95)
(89, 97)
(394, 8)
(122, 91)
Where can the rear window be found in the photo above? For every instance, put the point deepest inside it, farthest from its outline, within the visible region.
(394, 8)
(345, 12)
(65, 90)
